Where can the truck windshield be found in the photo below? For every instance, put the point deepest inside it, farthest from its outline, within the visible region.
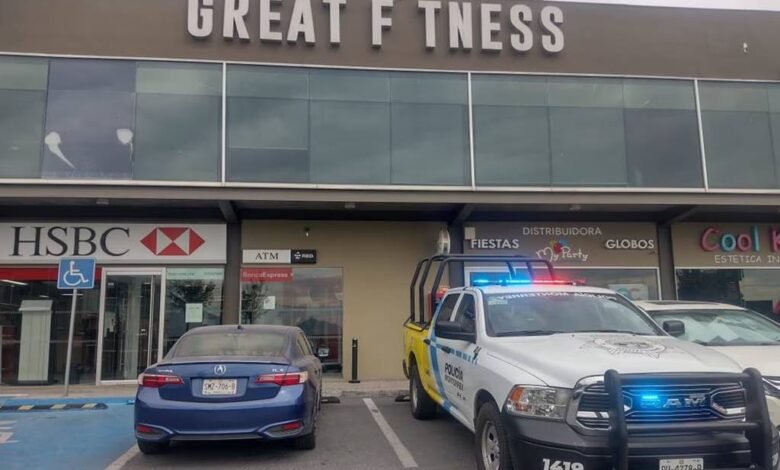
(546, 313)
(724, 327)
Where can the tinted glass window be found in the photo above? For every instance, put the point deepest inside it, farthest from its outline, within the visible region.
(724, 327)
(568, 131)
(738, 135)
(541, 313)
(178, 120)
(230, 344)
(22, 104)
(447, 307)
(110, 119)
(346, 127)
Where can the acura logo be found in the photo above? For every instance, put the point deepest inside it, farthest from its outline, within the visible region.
(220, 369)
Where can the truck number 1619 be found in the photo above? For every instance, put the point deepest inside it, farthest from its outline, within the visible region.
(560, 465)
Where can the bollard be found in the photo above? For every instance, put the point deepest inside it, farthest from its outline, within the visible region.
(354, 362)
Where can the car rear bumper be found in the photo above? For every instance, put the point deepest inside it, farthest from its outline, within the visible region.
(538, 444)
(192, 421)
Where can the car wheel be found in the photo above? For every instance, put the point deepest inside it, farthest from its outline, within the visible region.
(149, 448)
(307, 442)
(491, 444)
(423, 407)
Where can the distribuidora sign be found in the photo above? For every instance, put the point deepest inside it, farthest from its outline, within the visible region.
(484, 26)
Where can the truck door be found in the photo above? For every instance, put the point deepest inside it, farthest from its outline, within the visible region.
(457, 360)
(438, 352)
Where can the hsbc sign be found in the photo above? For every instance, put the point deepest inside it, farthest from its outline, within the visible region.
(162, 243)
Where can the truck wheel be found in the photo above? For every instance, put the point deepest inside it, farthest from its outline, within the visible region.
(491, 445)
(423, 407)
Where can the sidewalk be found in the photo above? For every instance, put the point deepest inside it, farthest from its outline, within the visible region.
(332, 387)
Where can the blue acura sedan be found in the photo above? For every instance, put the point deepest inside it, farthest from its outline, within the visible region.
(231, 382)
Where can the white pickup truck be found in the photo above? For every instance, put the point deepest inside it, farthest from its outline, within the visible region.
(552, 376)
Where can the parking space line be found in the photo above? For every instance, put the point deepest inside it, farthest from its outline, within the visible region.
(398, 447)
(124, 458)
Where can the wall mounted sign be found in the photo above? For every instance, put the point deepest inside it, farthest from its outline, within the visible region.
(261, 275)
(568, 244)
(484, 26)
(280, 257)
(745, 5)
(29, 242)
(702, 245)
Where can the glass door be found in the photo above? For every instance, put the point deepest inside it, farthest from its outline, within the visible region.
(130, 322)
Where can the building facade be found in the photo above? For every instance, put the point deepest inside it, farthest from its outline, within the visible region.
(289, 161)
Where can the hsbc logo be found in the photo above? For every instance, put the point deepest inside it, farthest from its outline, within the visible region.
(173, 241)
(113, 243)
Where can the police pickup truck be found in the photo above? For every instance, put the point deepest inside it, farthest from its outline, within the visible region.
(554, 376)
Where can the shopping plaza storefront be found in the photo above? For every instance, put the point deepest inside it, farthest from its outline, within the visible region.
(288, 162)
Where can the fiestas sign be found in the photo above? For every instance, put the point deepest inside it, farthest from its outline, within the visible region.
(164, 243)
(492, 27)
(726, 245)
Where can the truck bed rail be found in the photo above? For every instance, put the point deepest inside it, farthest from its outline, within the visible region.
(756, 426)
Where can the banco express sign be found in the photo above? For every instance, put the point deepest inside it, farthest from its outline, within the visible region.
(164, 243)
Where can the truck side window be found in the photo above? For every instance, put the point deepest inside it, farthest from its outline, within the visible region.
(466, 314)
(447, 307)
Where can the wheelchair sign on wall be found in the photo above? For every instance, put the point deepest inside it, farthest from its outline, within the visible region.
(74, 274)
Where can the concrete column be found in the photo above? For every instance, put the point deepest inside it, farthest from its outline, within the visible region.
(666, 262)
(231, 289)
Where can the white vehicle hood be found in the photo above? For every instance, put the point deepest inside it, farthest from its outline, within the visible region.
(561, 360)
(764, 358)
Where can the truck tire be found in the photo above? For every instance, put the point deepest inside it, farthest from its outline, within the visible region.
(491, 445)
(423, 407)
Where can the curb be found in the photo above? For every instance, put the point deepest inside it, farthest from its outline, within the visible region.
(54, 403)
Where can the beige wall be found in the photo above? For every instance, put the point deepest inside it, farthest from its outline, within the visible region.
(378, 260)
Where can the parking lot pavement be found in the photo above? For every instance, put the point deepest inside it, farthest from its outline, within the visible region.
(86, 439)
(358, 433)
(348, 438)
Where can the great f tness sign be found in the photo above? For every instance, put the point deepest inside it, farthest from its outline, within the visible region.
(483, 26)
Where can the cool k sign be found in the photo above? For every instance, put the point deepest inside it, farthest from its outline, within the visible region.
(113, 243)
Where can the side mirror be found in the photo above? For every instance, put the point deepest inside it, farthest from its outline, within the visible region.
(322, 353)
(675, 328)
(453, 330)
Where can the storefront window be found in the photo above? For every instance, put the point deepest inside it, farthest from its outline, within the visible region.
(193, 298)
(35, 317)
(310, 298)
(22, 104)
(343, 126)
(756, 289)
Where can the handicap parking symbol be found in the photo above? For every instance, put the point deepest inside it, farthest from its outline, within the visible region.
(76, 273)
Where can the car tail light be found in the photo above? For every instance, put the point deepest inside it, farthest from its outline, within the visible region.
(158, 380)
(141, 429)
(283, 380)
(292, 426)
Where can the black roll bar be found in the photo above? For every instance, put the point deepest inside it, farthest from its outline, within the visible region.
(423, 269)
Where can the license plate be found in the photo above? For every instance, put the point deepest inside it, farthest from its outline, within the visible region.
(220, 387)
(681, 464)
